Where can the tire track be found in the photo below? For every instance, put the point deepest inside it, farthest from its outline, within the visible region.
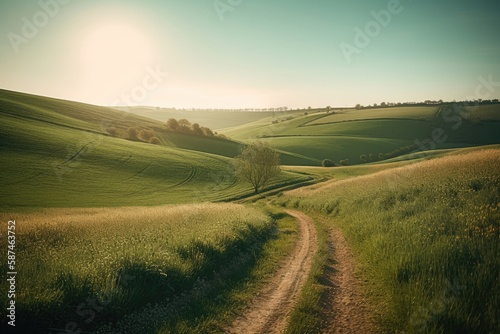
(191, 177)
(139, 172)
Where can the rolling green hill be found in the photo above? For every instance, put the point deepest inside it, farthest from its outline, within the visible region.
(57, 153)
(348, 134)
(214, 119)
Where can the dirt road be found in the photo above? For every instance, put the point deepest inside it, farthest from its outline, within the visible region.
(270, 310)
(347, 311)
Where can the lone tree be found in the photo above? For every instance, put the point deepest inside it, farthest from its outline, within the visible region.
(258, 163)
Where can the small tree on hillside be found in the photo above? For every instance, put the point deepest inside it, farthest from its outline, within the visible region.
(258, 164)
(184, 125)
(146, 134)
(172, 124)
(327, 163)
(197, 130)
(132, 133)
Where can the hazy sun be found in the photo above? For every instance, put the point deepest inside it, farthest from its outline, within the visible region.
(110, 49)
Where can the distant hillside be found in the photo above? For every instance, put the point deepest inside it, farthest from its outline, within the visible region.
(376, 134)
(214, 119)
(58, 153)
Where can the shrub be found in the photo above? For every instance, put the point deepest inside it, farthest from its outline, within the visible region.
(197, 130)
(344, 162)
(207, 132)
(155, 140)
(111, 131)
(146, 134)
(184, 125)
(363, 158)
(327, 163)
(132, 133)
(172, 124)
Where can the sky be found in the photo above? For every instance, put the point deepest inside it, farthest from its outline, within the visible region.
(251, 53)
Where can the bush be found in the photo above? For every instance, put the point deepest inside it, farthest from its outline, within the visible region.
(146, 134)
(155, 140)
(132, 133)
(363, 158)
(197, 130)
(172, 124)
(344, 162)
(207, 132)
(328, 163)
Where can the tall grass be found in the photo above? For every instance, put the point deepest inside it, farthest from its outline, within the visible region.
(82, 268)
(427, 238)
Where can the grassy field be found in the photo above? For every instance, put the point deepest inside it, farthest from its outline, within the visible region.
(426, 236)
(95, 231)
(485, 112)
(23, 110)
(149, 268)
(57, 154)
(418, 113)
(334, 148)
(214, 119)
(310, 138)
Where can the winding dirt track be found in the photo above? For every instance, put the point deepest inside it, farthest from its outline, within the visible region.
(270, 310)
(347, 311)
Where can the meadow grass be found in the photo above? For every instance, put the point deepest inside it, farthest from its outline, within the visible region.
(485, 112)
(426, 236)
(335, 148)
(57, 160)
(164, 267)
(421, 113)
(405, 129)
(308, 139)
(214, 119)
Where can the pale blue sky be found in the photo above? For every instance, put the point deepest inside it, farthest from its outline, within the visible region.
(261, 53)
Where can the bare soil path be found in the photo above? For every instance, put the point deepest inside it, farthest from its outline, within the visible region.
(347, 311)
(270, 310)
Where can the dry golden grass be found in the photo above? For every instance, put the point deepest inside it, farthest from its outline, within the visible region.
(123, 258)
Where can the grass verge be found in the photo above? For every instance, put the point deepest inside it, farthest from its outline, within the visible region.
(142, 270)
(426, 237)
